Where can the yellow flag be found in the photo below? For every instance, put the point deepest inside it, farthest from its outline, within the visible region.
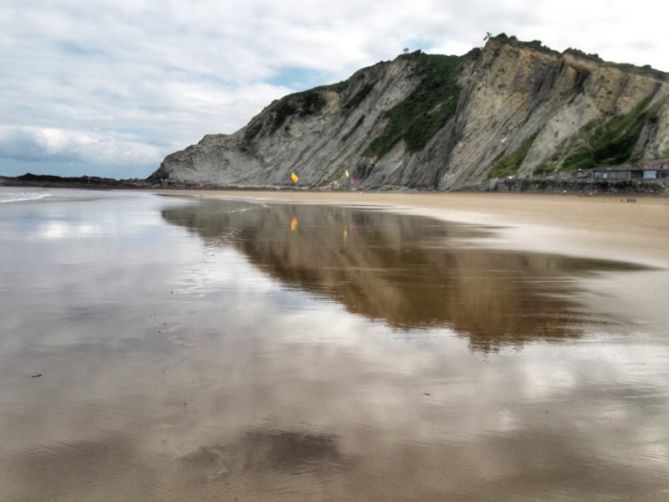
(346, 172)
(293, 178)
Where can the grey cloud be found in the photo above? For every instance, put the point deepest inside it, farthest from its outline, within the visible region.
(20, 145)
(60, 145)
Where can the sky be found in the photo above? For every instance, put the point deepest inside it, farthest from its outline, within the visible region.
(109, 87)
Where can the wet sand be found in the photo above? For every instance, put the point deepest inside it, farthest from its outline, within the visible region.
(168, 348)
(626, 228)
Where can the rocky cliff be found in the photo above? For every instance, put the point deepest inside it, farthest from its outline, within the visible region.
(440, 122)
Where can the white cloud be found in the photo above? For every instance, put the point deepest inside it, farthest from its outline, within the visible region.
(167, 72)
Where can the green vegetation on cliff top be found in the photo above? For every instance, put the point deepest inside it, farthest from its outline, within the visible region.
(538, 45)
(300, 103)
(313, 100)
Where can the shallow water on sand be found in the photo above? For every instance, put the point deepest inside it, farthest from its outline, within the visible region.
(153, 348)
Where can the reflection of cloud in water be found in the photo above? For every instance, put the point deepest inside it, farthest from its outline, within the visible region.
(408, 271)
(64, 230)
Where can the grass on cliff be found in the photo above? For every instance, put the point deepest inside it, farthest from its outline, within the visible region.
(301, 103)
(608, 143)
(427, 109)
(359, 96)
(601, 143)
(510, 164)
(543, 169)
(313, 101)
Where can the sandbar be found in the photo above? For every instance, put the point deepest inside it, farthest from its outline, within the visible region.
(634, 229)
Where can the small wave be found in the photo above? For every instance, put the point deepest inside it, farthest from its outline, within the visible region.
(6, 197)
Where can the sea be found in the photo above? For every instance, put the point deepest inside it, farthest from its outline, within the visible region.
(14, 194)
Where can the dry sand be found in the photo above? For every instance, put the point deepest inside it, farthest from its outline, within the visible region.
(620, 228)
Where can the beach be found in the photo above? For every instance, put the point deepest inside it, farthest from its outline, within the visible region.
(622, 227)
(211, 345)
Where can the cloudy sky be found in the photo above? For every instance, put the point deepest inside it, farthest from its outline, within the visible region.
(109, 87)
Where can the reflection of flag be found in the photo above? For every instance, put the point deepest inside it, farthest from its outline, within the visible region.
(346, 172)
(293, 178)
(293, 224)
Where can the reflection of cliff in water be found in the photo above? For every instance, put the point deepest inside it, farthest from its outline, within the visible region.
(405, 270)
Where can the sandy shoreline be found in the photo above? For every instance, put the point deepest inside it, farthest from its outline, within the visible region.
(603, 227)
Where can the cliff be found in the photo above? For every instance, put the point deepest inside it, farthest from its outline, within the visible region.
(440, 122)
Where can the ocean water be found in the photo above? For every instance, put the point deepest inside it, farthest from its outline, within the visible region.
(16, 194)
(160, 348)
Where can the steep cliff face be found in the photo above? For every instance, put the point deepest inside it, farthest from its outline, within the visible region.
(439, 122)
